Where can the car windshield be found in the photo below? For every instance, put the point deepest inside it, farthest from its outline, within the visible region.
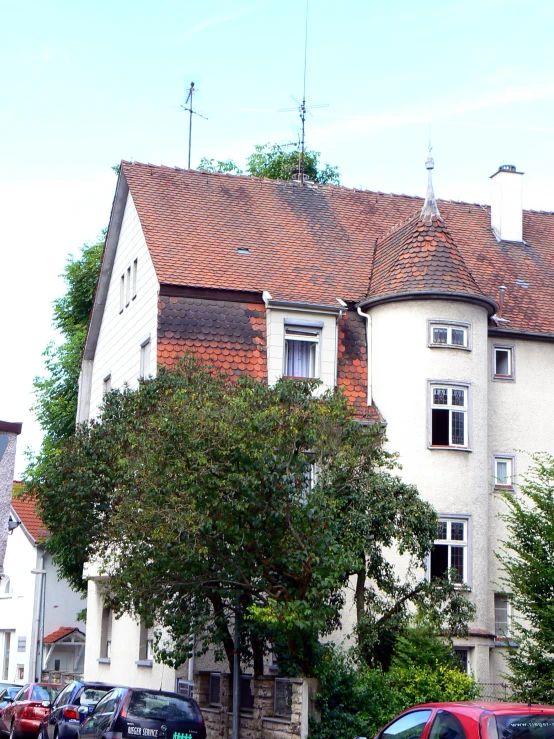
(162, 707)
(44, 692)
(526, 726)
(91, 696)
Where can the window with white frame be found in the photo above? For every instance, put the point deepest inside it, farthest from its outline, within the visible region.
(106, 384)
(501, 616)
(301, 351)
(503, 362)
(122, 293)
(449, 553)
(135, 270)
(503, 471)
(447, 334)
(449, 415)
(128, 287)
(145, 359)
(146, 643)
(462, 655)
(106, 633)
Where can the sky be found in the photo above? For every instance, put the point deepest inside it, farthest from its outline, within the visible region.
(84, 85)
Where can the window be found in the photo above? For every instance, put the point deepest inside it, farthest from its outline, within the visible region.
(503, 362)
(6, 660)
(449, 406)
(20, 672)
(108, 703)
(282, 697)
(246, 694)
(21, 643)
(503, 471)
(462, 655)
(501, 616)
(122, 293)
(145, 359)
(106, 634)
(64, 696)
(447, 334)
(215, 689)
(410, 725)
(446, 725)
(184, 687)
(106, 384)
(135, 269)
(5, 585)
(450, 550)
(128, 290)
(301, 351)
(146, 645)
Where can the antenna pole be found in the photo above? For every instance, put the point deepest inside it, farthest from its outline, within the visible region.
(303, 106)
(190, 117)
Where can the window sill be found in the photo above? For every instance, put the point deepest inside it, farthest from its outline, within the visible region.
(144, 663)
(296, 377)
(4, 596)
(503, 378)
(449, 346)
(104, 661)
(449, 448)
(503, 489)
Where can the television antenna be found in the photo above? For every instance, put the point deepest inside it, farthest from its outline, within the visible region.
(303, 109)
(191, 112)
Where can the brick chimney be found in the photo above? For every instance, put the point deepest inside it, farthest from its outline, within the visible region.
(506, 205)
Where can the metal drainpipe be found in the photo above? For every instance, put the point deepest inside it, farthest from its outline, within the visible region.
(236, 674)
(369, 354)
(38, 669)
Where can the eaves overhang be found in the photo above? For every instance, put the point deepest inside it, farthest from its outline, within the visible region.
(310, 307)
(488, 303)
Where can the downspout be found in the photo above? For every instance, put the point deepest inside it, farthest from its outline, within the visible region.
(340, 314)
(369, 354)
(41, 617)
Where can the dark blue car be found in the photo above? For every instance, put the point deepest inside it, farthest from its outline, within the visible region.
(70, 708)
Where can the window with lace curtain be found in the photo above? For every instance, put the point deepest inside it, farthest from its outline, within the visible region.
(301, 352)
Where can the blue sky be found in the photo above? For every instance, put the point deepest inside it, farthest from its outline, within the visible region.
(86, 84)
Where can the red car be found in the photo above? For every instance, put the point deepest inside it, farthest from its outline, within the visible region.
(23, 715)
(472, 720)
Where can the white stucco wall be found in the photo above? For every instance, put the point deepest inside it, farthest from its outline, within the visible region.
(327, 350)
(7, 463)
(122, 333)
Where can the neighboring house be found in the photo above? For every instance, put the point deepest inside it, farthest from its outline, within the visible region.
(437, 320)
(35, 606)
(8, 442)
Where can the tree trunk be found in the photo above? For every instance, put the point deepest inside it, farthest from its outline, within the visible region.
(360, 591)
(221, 623)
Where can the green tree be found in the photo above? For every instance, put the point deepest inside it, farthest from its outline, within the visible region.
(277, 163)
(528, 562)
(195, 492)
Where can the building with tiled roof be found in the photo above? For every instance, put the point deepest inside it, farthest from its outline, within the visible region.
(34, 601)
(433, 317)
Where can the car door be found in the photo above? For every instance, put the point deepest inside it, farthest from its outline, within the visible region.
(56, 714)
(410, 725)
(100, 719)
(8, 713)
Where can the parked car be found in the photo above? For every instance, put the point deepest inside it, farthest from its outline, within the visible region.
(64, 718)
(23, 715)
(7, 694)
(471, 720)
(137, 712)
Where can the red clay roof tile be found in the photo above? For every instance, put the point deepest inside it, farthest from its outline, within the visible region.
(25, 507)
(61, 633)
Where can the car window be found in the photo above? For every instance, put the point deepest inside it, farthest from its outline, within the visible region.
(65, 696)
(21, 694)
(12, 692)
(447, 726)
(526, 726)
(91, 696)
(160, 706)
(409, 726)
(108, 703)
(44, 692)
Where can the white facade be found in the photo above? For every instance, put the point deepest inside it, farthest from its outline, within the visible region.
(26, 565)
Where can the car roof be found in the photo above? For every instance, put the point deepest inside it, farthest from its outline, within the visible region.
(153, 691)
(475, 708)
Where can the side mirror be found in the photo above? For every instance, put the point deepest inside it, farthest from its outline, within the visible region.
(84, 710)
(46, 704)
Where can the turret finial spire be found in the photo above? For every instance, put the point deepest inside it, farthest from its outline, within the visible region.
(430, 208)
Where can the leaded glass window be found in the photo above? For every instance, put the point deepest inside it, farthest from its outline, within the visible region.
(440, 336)
(449, 335)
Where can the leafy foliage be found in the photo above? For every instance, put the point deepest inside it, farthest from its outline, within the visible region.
(192, 492)
(356, 700)
(56, 394)
(277, 163)
(528, 562)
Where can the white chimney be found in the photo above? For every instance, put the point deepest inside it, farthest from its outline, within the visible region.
(506, 205)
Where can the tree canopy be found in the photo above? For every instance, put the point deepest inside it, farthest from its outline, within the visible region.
(277, 163)
(196, 493)
(528, 563)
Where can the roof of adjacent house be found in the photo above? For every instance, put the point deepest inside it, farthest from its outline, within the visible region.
(25, 508)
(61, 633)
(317, 244)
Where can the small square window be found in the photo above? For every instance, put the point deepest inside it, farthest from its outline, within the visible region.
(503, 472)
(106, 384)
(145, 359)
(449, 335)
(503, 363)
(301, 353)
(502, 614)
(462, 655)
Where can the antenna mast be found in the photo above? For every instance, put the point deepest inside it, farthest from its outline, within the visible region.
(191, 112)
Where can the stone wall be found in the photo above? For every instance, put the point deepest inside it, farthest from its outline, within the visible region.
(260, 722)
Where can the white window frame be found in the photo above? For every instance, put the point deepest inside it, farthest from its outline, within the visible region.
(511, 376)
(506, 636)
(128, 288)
(122, 293)
(145, 358)
(469, 653)
(107, 384)
(449, 325)
(135, 270)
(450, 385)
(466, 544)
(308, 335)
(510, 458)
